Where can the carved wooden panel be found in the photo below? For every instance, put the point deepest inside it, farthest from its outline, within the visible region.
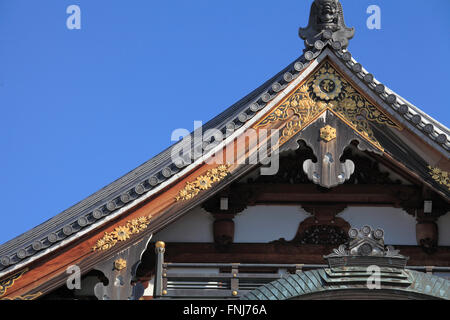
(329, 171)
(327, 89)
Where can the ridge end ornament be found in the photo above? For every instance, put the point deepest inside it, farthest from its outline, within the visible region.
(326, 21)
(366, 247)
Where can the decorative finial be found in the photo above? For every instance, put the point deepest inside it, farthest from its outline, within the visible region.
(160, 244)
(326, 21)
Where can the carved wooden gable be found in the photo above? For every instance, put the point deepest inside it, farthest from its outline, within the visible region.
(327, 89)
(328, 113)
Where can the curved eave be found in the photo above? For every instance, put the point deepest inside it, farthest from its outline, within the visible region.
(264, 98)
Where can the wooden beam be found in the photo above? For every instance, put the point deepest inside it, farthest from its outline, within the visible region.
(310, 193)
(270, 253)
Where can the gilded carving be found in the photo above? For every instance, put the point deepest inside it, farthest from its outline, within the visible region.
(327, 89)
(328, 133)
(120, 264)
(122, 233)
(9, 282)
(203, 182)
(440, 176)
(327, 86)
(25, 297)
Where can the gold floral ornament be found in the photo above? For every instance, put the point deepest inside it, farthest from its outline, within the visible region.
(440, 176)
(328, 133)
(25, 297)
(122, 233)
(9, 282)
(327, 90)
(327, 86)
(120, 264)
(203, 182)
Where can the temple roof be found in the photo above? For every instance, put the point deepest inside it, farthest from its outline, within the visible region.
(161, 171)
(322, 283)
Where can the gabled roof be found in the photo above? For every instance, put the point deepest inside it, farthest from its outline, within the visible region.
(150, 177)
(161, 171)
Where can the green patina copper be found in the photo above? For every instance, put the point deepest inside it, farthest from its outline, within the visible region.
(318, 281)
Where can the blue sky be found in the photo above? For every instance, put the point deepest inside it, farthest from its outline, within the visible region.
(80, 108)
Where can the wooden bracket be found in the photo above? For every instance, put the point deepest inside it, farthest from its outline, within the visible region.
(120, 270)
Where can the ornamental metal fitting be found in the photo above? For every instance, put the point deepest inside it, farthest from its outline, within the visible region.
(326, 21)
(160, 247)
(120, 264)
(366, 242)
(328, 133)
(160, 244)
